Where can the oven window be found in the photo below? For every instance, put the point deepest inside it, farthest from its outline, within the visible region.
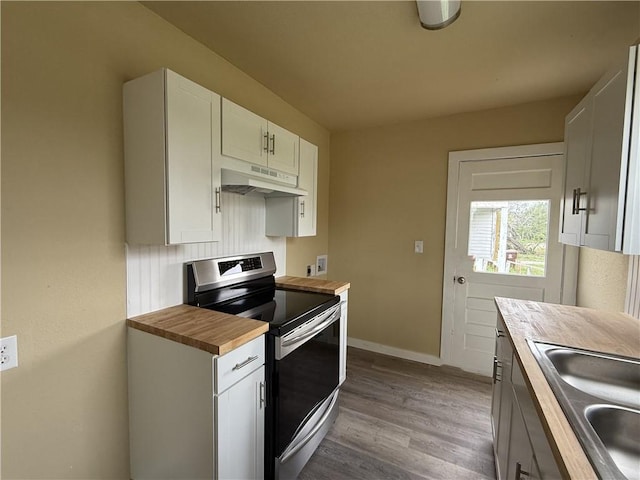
(307, 376)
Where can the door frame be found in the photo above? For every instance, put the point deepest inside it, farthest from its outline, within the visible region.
(456, 158)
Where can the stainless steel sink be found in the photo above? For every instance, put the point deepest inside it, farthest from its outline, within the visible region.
(600, 395)
(610, 378)
(619, 431)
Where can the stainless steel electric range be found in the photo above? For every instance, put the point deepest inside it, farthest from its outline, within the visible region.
(302, 351)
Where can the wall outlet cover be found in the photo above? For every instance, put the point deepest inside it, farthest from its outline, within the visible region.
(321, 262)
(8, 352)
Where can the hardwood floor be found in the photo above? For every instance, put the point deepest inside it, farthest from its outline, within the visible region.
(406, 420)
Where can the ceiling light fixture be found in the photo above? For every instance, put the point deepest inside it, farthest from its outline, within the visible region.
(437, 14)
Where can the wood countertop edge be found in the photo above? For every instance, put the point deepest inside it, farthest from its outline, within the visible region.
(224, 342)
(566, 447)
(318, 285)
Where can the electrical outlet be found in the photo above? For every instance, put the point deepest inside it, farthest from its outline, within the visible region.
(311, 270)
(419, 246)
(8, 352)
(321, 262)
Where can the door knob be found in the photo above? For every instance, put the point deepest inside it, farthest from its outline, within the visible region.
(460, 280)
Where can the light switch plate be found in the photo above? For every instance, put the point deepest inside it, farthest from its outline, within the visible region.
(419, 246)
(8, 353)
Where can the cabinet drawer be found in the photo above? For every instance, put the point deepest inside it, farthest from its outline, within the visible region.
(237, 364)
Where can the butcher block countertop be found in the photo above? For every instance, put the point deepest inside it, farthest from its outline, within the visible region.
(614, 333)
(306, 284)
(213, 332)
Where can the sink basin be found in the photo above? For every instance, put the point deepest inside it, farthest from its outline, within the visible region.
(619, 431)
(600, 396)
(614, 379)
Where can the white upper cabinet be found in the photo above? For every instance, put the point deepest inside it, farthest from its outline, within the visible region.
(296, 216)
(244, 134)
(283, 149)
(577, 133)
(172, 180)
(249, 137)
(601, 207)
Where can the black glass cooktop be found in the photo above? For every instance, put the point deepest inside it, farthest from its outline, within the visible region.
(283, 309)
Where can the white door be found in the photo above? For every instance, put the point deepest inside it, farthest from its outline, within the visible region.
(503, 208)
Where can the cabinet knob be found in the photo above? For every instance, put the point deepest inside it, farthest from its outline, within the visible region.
(460, 280)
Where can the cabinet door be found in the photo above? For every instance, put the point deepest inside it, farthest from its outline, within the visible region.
(577, 147)
(344, 311)
(296, 216)
(506, 407)
(497, 384)
(192, 121)
(244, 134)
(240, 429)
(307, 180)
(283, 150)
(609, 104)
(520, 451)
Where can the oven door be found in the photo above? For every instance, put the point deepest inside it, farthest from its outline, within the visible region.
(307, 372)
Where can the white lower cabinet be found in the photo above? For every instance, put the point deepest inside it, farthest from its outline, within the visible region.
(240, 428)
(520, 446)
(193, 414)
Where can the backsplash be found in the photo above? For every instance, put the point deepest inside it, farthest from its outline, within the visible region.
(155, 273)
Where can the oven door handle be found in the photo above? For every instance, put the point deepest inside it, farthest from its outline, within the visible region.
(295, 448)
(287, 342)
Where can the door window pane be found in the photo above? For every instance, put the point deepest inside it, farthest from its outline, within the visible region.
(509, 237)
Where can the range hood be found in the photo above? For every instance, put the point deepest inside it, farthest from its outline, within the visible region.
(245, 178)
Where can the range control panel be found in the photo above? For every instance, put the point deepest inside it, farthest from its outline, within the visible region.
(203, 275)
(242, 265)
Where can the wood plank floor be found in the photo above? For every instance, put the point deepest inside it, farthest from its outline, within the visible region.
(406, 420)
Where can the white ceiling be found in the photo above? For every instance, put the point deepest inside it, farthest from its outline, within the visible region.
(357, 64)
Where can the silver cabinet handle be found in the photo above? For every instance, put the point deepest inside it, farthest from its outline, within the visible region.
(302, 209)
(497, 364)
(218, 204)
(273, 145)
(266, 142)
(520, 472)
(577, 193)
(263, 398)
(245, 363)
(499, 333)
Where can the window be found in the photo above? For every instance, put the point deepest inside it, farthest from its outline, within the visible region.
(509, 237)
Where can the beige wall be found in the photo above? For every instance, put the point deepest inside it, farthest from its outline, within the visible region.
(64, 409)
(388, 188)
(603, 279)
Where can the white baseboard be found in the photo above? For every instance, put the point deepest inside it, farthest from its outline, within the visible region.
(394, 352)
